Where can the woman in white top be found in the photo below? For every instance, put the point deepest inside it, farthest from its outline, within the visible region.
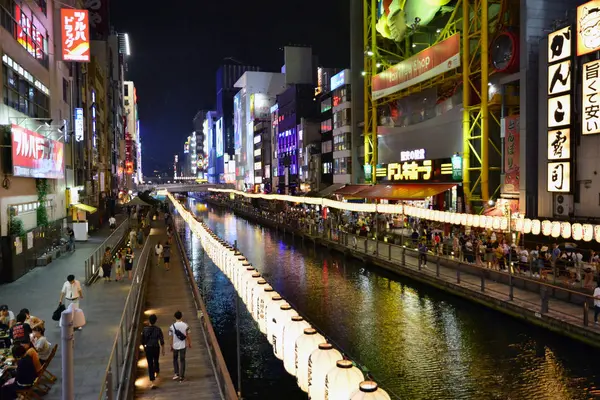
(41, 344)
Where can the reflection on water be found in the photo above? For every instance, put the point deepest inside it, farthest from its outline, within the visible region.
(417, 341)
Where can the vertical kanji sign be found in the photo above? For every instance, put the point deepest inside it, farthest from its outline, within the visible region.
(75, 35)
(512, 154)
(560, 97)
(590, 107)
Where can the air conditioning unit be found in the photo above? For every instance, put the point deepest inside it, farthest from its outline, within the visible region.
(563, 205)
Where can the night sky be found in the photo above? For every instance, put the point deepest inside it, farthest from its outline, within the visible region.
(176, 51)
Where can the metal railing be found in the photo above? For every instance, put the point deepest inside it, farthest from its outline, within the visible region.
(118, 381)
(224, 381)
(577, 307)
(115, 239)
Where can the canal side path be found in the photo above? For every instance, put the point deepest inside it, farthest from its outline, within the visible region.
(102, 304)
(168, 292)
(553, 307)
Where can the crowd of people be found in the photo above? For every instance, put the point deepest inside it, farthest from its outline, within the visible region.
(25, 352)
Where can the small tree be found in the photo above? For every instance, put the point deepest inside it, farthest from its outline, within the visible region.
(41, 213)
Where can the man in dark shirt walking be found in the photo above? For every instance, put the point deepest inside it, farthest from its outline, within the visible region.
(153, 341)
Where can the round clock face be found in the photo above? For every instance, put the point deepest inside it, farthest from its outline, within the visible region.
(502, 52)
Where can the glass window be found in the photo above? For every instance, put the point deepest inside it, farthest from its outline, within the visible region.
(21, 95)
(326, 147)
(342, 165)
(326, 126)
(342, 142)
(326, 105)
(327, 168)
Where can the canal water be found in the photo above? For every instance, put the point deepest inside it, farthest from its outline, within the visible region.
(417, 341)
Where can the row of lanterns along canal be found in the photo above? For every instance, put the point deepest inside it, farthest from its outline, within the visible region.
(416, 341)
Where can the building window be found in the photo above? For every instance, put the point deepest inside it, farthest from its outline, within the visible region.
(342, 142)
(326, 105)
(126, 88)
(65, 90)
(43, 6)
(326, 126)
(342, 118)
(326, 147)
(341, 95)
(327, 168)
(22, 92)
(342, 165)
(32, 36)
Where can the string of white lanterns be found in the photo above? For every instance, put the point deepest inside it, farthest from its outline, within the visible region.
(320, 370)
(555, 229)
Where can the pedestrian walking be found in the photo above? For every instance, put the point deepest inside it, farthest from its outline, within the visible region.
(119, 265)
(153, 342)
(71, 292)
(179, 336)
(71, 234)
(107, 262)
(129, 256)
(112, 222)
(132, 237)
(140, 238)
(169, 235)
(158, 250)
(596, 303)
(166, 255)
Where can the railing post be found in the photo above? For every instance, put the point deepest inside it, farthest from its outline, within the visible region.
(482, 281)
(390, 251)
(418, 259)
(404, 256)
(544, 296)
(109, 385)
(366, 245)
(510, 287)
(586, 315)
(458, 276)
(437, 267)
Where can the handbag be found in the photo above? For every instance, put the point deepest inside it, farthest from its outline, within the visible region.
(101, 272)
(180, 335)
(56, 314)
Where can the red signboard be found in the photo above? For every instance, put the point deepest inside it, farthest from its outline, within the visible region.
(29, 35)
(35, 156)
(427, 64)
(75, 34)
(512, 153)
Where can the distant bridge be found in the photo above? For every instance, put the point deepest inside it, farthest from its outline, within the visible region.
(182, 187)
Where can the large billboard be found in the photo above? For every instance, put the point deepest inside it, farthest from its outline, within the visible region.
(237, 120)
(219, 136)
(75, 35)
(35, 156)
(432, 61)
(30, 32)
(260, 106)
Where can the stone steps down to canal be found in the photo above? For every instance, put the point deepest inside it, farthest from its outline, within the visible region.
(564, 311)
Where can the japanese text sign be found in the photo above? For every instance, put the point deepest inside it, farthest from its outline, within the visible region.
(590, 107)
(418, 171)
(559, 45)
(559, 176)
(79, 124)
(75, 33)
(559, 144)
(511, 127)
(588, 34)
(35, 156)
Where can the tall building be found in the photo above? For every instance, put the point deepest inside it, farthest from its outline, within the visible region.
(227, 76)
(341, 102)
(130, 142)
(251, 106)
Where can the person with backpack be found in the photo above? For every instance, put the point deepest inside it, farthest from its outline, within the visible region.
(179, 337)
(153, 341)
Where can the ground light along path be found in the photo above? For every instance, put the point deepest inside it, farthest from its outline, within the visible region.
(420, 342)
(328, 377)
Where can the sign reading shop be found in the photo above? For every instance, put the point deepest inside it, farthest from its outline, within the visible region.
(35, 156)
(420, 171)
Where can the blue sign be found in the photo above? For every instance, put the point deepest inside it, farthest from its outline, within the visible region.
(338, 80)
(219, 137)
(79, 124)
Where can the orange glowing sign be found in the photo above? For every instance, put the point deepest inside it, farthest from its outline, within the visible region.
(588, 32)
(75, 34)
(129, 168)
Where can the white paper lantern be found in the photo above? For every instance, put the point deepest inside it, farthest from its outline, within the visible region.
(291, 332)
(342, 380)
(368, 390)
(536, 226)
(305, 346)
(555, 229)
(577, 231)
(239, 273)
(247, 288)
(257, 291)
(588, 232)
(565, 230)
(489, 222)
(496, 223)
(261, 304)
(272, 308)
(476, 221)
(247, 274)
(280, 318)
(320, 362)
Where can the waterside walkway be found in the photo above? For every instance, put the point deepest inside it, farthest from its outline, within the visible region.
(168, 292)
(566, 311)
